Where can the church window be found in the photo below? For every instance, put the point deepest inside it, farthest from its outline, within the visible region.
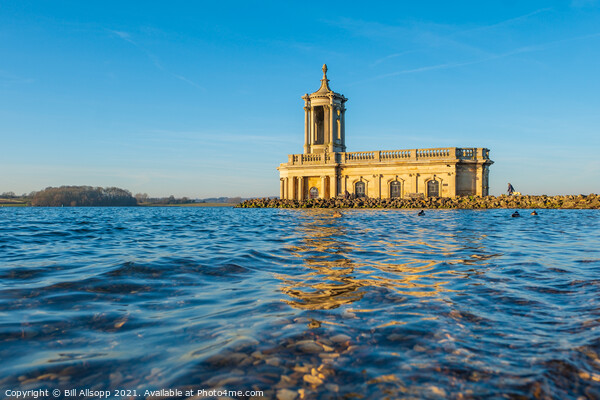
(338, 126)
(319, 125)
(395, 189)
(360, 189)
(433, 189)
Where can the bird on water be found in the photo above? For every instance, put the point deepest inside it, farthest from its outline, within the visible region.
(337, 214)
(516, 214)
(534, 212)
(421, 213)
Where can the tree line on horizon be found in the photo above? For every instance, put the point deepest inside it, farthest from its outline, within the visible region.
(82, 196)
(90, 196)
(143, 198)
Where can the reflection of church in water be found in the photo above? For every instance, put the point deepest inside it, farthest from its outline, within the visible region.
(326, 170)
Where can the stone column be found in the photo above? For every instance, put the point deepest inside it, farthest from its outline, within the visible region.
(333, 184)
(375, 186)
(291, 188)
(306, 130)
(285, 188)
(417, 184)
(343, 128)
(299, 188)
(479, 180)
(323, 195)
(281, 189)
(452, 183)
(313, 132)
(345, 178)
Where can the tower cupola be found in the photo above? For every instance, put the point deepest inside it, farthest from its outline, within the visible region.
(324, 119)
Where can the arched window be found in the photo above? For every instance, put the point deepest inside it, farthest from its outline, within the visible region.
(314, 193)
(433, 189)
(319, 125)
(395, 189)
(360, 189)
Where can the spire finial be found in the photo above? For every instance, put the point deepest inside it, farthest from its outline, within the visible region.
(324, 82)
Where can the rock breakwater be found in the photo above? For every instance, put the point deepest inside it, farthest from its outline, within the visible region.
(591, 201)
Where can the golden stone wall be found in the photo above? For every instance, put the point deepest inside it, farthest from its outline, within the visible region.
(455, 171)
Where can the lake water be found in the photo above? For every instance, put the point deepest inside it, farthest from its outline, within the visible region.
(453, 304)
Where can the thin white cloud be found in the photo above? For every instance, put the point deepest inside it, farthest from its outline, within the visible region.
(126, 36)
(123, 35)
(425, 34)
(186, 80)
(389, 57)
(506, 22)
(520, 50)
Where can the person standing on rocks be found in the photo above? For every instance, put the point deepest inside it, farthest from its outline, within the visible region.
(511, 189)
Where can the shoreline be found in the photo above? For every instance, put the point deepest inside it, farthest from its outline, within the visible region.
(569, 202)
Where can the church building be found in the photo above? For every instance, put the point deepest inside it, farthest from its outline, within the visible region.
(325, 169)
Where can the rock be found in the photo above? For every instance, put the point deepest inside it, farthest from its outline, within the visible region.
(226, 359)
(258, 354)
(274, 361)
(332, 387)
(309, 346)
(286, 381)
(329, 355)
(340, 338)
(313, 380)
(462, 202)
(286, 394)
(327, 348)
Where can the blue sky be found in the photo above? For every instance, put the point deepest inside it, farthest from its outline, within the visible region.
(202, 99)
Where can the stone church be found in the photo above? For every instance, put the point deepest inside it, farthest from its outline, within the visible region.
(325, 169)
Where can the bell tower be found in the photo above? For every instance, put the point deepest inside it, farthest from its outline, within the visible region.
(324, 119)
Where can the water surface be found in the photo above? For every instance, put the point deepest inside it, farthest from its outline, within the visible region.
(376, 304)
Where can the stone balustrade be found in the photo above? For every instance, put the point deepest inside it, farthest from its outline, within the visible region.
(360, 155)
(394, 154)
(389, 156)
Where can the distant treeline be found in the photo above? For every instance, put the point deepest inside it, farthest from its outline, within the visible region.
(226, 200)
(73, 196)
(83, 196)
(144, 199)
